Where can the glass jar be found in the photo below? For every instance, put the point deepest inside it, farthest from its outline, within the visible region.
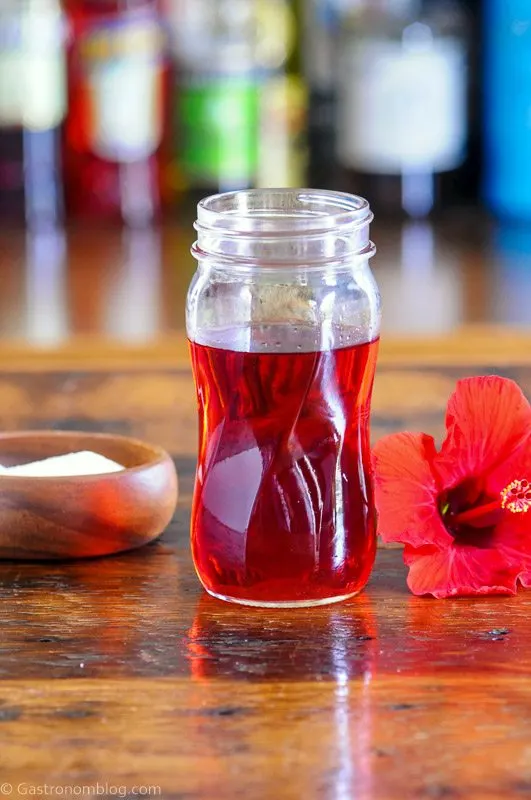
(283, 318)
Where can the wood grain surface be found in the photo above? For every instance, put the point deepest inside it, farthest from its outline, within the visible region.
(119, 674)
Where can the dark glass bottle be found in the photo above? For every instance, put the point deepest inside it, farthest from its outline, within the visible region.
(32, 108)
(321, 22)
(283, 148)
(402, 104)
(115, 125)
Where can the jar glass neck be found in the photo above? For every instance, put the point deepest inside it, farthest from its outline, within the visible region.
(290, 228)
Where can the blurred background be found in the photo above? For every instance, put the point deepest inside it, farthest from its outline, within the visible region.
(117, 116)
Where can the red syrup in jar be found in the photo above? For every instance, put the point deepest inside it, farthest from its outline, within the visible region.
(283, 509)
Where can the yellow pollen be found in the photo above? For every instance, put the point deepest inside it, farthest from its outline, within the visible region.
(517, 497)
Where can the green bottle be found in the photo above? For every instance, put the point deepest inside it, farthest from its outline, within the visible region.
(216, 108)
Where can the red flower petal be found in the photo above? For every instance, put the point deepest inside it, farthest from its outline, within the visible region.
(461, 570)
(406, 490)
(487, 419)
(516, 468)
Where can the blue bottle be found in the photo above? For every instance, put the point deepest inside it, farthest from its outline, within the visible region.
(507, 107)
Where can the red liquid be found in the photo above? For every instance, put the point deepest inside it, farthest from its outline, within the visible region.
(283, 507)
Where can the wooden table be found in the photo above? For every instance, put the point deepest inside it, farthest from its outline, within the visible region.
(120, 673)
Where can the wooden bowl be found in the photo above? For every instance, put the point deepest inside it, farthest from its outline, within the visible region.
(83, 516)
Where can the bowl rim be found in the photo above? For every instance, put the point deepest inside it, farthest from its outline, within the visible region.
(160, 455)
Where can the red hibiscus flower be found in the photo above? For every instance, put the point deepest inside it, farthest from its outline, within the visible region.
(463, 512)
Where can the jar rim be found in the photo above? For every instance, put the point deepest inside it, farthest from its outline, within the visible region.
(283, 212)
(283, 228)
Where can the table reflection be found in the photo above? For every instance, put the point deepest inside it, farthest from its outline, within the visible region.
(132, 301)
(335, 646)
(421, 282)
(511, 275)
(423, 638)
(12, 296)
(130, 285)
(47, 318)
(87, 618)
(332, 643)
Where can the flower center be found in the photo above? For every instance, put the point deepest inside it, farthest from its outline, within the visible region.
(465, 512)
(517, 497)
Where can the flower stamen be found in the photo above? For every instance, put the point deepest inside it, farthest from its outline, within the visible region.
(516, 497)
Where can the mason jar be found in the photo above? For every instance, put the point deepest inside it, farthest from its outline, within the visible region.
(283, 319)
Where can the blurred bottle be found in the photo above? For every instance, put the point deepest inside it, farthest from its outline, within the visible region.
(507, 110)
(32, 107)
(283, 145)
(115, 122)
(402, 103)
(216, 100)
(321, 23)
